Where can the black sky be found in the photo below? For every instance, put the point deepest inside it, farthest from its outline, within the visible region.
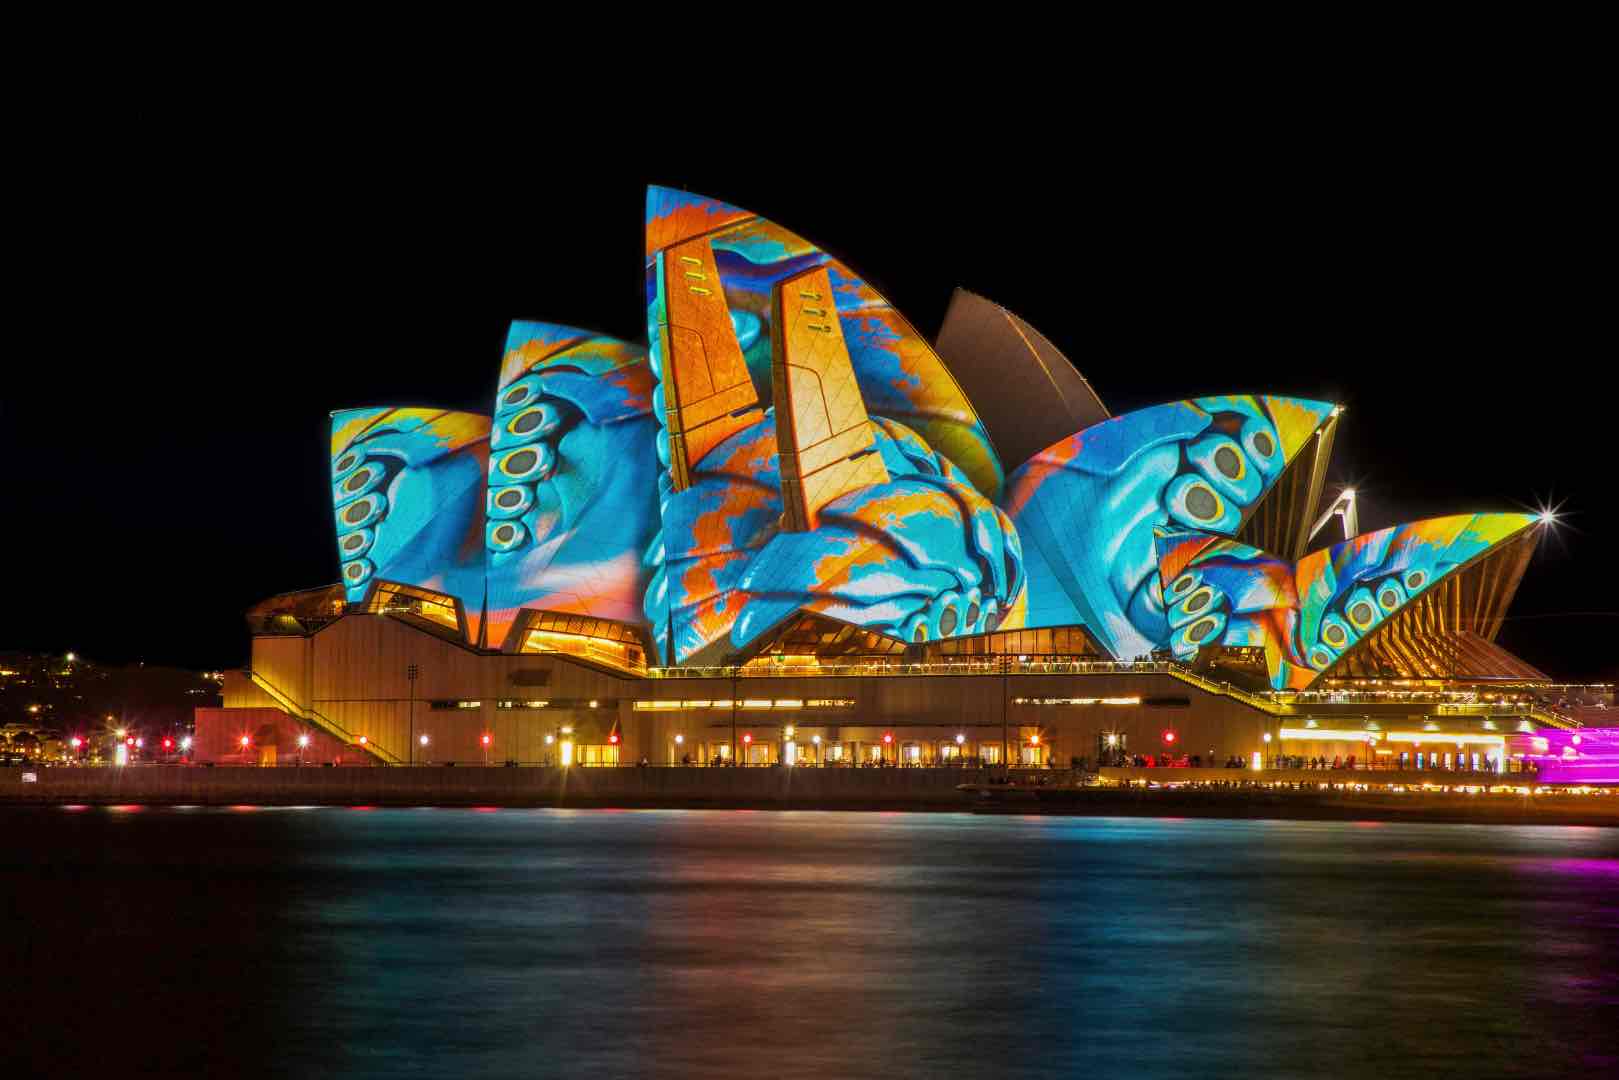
(203, 301)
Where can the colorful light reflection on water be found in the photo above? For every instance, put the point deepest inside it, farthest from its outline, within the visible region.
(718, 944)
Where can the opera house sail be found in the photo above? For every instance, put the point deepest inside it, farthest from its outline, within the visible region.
(786, 458)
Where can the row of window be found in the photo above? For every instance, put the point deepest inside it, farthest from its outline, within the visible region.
(518, 703)
(671, 704)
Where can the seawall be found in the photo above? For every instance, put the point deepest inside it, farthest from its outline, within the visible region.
(767, 788)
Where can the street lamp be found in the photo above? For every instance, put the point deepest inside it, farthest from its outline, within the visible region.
(411, 672)
(303, 744)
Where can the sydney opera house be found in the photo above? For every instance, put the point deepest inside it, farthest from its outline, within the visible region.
(790, 529)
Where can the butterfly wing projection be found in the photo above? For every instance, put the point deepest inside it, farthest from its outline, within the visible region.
(407, 496)
(571, 500)
(1307, 615)
(1090, 507)
(781, 492)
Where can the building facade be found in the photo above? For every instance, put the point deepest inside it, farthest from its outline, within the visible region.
(790, 530)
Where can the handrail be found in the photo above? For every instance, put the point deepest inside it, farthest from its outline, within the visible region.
(1186, 675)
(315, 716)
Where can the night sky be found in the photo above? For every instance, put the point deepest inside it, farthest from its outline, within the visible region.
(206, 306)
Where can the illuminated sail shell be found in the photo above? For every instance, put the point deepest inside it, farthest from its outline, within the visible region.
(1090, 507)
(1307, 615)
(407, 498)
(572, 482)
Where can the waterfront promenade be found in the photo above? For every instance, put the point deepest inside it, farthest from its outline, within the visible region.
(1307, 794)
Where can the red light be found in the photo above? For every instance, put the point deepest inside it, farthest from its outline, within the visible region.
(748, 737)
(245, 740)
(486, 740)
(76, 742)
(168, 744)
(613, 738)
(130, 741)
(888, 737)
(1169, 736)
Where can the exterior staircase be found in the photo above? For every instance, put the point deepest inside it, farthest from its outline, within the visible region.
(322, 721)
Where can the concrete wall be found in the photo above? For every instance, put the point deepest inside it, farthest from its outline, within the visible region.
(475, 785)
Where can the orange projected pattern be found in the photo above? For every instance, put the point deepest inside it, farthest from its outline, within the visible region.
(824, 435)
(709, 393)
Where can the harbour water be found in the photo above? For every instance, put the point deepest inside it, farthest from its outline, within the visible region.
(458, 942)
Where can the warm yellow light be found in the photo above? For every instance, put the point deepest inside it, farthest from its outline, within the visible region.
(567, 753)
(680, 740)
(1329, 735)
(1445, 737)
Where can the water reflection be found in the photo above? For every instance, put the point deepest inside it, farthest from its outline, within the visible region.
(720, 944)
